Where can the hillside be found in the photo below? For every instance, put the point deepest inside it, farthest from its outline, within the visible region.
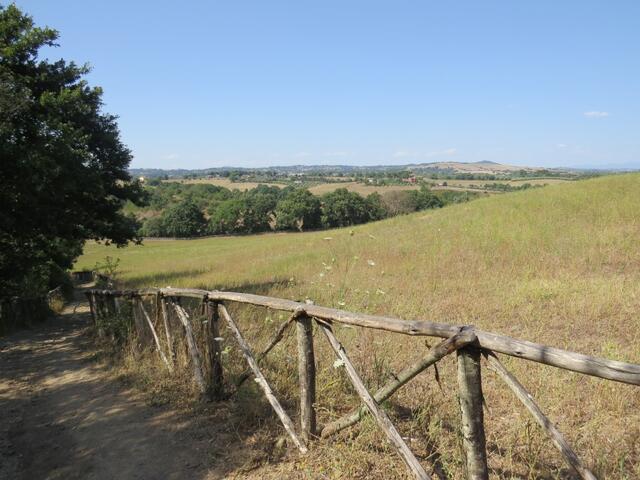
(557, 265)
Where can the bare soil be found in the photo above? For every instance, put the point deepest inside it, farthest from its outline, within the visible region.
(63, 415)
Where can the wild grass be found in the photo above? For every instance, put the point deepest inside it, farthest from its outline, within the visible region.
(558, 265)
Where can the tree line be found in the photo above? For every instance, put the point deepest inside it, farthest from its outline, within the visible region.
(184, 210)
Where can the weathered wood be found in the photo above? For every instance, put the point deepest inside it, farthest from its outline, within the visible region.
(260, 380)
(167, 329)
(100, 314)
(470, 399)
(138, 323)
(378, 413)
(598, 367)
(92, 307)
(274, 341)
(96, 301)
(306, 377)
(434, 355)
(192, 347)
(158, 309)
(140, 305)
(527, 400)
(216, 381)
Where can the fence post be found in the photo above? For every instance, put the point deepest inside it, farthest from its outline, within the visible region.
(100, 314)
(92, 308)
(167, 328)
(138, 322)
(216, 384)
(470, 398)
(307, 377)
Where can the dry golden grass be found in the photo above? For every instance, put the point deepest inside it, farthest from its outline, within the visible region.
(558, 265)
(226, 183)
(515, 183)
(360, 188)
(317, 189)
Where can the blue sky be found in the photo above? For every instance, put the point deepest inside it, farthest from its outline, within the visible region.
(258, 83)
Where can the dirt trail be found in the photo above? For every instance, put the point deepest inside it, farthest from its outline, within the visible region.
(63, 417)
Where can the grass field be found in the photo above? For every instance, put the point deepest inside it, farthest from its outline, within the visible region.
(226, 183)
(362, 189)
(316, 189)
(559, 265)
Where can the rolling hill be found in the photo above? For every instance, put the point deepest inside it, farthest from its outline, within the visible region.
(559, 265)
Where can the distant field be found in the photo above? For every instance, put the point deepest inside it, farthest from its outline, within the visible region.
(359, 188)
(226, 183)
(515, 183)
(459, 185)
(559, 265)
(317, 189)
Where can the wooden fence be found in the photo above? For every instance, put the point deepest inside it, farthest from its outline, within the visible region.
(468, 343)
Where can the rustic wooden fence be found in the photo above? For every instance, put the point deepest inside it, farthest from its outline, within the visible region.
(468, 343)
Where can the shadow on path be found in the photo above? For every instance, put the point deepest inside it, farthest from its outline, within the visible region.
(63, 417)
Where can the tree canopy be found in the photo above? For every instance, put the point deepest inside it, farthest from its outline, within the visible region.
(342, 208)
(63, 174)
(299, 210)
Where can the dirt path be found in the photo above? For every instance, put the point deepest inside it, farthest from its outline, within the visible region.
(63, 417)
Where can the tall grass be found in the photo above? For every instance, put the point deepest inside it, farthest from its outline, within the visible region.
(558, 265)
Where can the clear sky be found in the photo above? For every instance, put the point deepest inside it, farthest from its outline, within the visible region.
(198, 84)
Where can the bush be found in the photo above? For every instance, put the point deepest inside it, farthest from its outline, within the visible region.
(153, 227)
(425, 199)
(399, 202)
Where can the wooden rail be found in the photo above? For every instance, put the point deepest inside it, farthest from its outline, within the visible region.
(470, 345)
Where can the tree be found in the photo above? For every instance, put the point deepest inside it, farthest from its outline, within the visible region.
(377, 209)
(63, 173)
(425, 199)
(228, 216)
(342, 208)
(299, 210)
(183, 220)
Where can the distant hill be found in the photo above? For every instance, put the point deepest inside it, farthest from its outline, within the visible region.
(484, 166)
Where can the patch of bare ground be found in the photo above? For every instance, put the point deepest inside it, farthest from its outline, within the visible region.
(65, 414)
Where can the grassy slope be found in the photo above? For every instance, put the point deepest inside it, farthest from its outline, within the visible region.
(558, 265)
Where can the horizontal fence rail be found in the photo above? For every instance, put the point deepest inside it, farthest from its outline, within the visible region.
(469, 344)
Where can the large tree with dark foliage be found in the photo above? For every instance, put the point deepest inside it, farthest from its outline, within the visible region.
(63, 168)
